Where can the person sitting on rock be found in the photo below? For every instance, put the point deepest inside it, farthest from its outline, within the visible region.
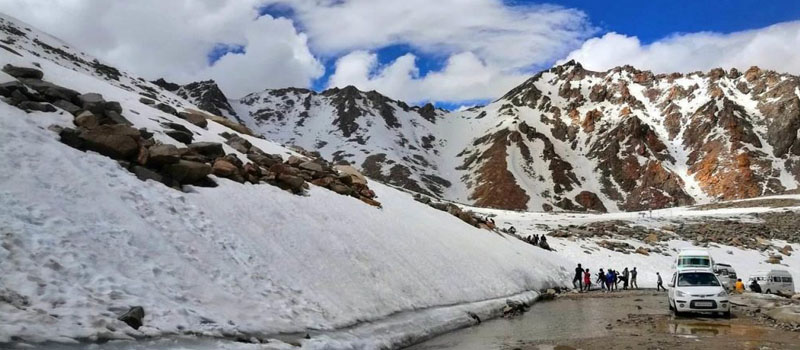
(543, 243)
(755, 287)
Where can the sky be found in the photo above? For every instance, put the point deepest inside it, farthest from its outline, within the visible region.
(451, 52)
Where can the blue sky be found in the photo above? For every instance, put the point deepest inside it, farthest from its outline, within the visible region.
(649, 21)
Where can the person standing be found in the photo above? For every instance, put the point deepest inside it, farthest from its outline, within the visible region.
(625, 276)
(578, 278)
(611, 280)
(587, 280)
(601, 279)
(659, 283)
(633, 279)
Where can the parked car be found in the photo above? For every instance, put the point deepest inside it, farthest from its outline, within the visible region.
(726, 275)
(774, 281)
(694, 258)
(697, 290)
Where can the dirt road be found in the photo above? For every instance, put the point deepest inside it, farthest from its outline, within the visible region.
(622, 320)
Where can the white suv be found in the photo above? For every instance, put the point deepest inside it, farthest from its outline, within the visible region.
(697, 290)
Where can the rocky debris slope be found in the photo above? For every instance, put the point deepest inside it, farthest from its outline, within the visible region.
(756, 232)
(101, 127)
(387, 140)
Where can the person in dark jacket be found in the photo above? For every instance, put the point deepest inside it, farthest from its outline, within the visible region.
(755, 287)
(578, 278)
(601, 279)
(659, 283)
(633, 279)
(625, 276)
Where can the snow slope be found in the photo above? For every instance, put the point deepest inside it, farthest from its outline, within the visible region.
(82, 240)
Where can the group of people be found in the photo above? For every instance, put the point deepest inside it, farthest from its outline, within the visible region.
(608, 280)
(538, 240)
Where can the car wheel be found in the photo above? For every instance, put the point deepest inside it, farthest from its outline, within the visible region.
(726, 314)
(768, 291)
(670, 307)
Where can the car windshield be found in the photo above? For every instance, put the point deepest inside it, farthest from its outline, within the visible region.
(694, 261)
(697, 279)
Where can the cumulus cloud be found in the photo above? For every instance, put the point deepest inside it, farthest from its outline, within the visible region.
(463, 77)
(773, 47)
(487, 44)
(171, 39)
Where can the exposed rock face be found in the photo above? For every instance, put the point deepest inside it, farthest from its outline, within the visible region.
(204, 94)
(388, 140)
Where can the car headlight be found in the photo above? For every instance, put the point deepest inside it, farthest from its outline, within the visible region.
(679, 293)
(722, 294)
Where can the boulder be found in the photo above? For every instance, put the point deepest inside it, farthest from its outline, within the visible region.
(92, 101)
(231, 124)
(187, 172)
(67, 106)
(115, 118)
(787, 250)
(161, 155)
(341, 189)
(86, 120)
(240, 144)
(263, 159)
(643, 251)
(294, 183)
(311, 166)
(145, 174)
(166, 108)
(36, 106)
(353, 173)
(323, 181)
(115, 141)
(134, 317)
(147, 101)
(71, 137)
(23, 72)
(294, 161)
(211, 150)
(180, 136)
(194, 118)
(224, 168)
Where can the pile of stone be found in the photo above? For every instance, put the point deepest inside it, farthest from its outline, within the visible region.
(100, 127)
(465, 215)
(613, 229)
(749, 235)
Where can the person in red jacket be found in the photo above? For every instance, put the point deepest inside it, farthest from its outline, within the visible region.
(587, 279)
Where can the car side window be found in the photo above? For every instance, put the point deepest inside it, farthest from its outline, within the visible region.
(787, 279)
(776, 279)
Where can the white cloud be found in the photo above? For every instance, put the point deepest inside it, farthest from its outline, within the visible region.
(463, 77)
(171, 39)
(774, 47)
(487, 44)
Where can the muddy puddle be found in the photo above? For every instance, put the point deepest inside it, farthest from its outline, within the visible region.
(636, 320)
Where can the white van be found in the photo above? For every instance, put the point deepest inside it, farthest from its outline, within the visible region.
(694, 258)
(726, 275)
(774, 281)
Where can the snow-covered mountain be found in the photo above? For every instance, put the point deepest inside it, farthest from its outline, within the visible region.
(89, 230)
(389, 140)
(567, 138)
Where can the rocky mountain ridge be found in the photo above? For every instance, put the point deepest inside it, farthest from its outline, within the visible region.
(566, 139)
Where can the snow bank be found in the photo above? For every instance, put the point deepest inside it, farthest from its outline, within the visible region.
(81, 240)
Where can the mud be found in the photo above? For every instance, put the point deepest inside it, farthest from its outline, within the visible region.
(624, 320)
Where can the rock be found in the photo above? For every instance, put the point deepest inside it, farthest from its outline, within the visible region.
(231, 124)
(187, 172)
(224, 168)
(323, 181)
(145, 174)
(36, 106)
(194, 118)
(92, 101)
(133, 317)
(643, 251)
(651, 238)
(774, 259)
(23, 72)
(239, 143)
(161, 155)
(67, 106)
(147, 101)
(311, 166)
(590, 201)
(787, 250)
(166, 109)
(294, 161)
(341, 189)
(264, 160)
(796, 296)
(211, 150)
(116, 118)
(112, 106)
(71, 137)
(370, 201)
(86, 120)
(294, 183)
(115, 141)
(356, 176)
(180, 136)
